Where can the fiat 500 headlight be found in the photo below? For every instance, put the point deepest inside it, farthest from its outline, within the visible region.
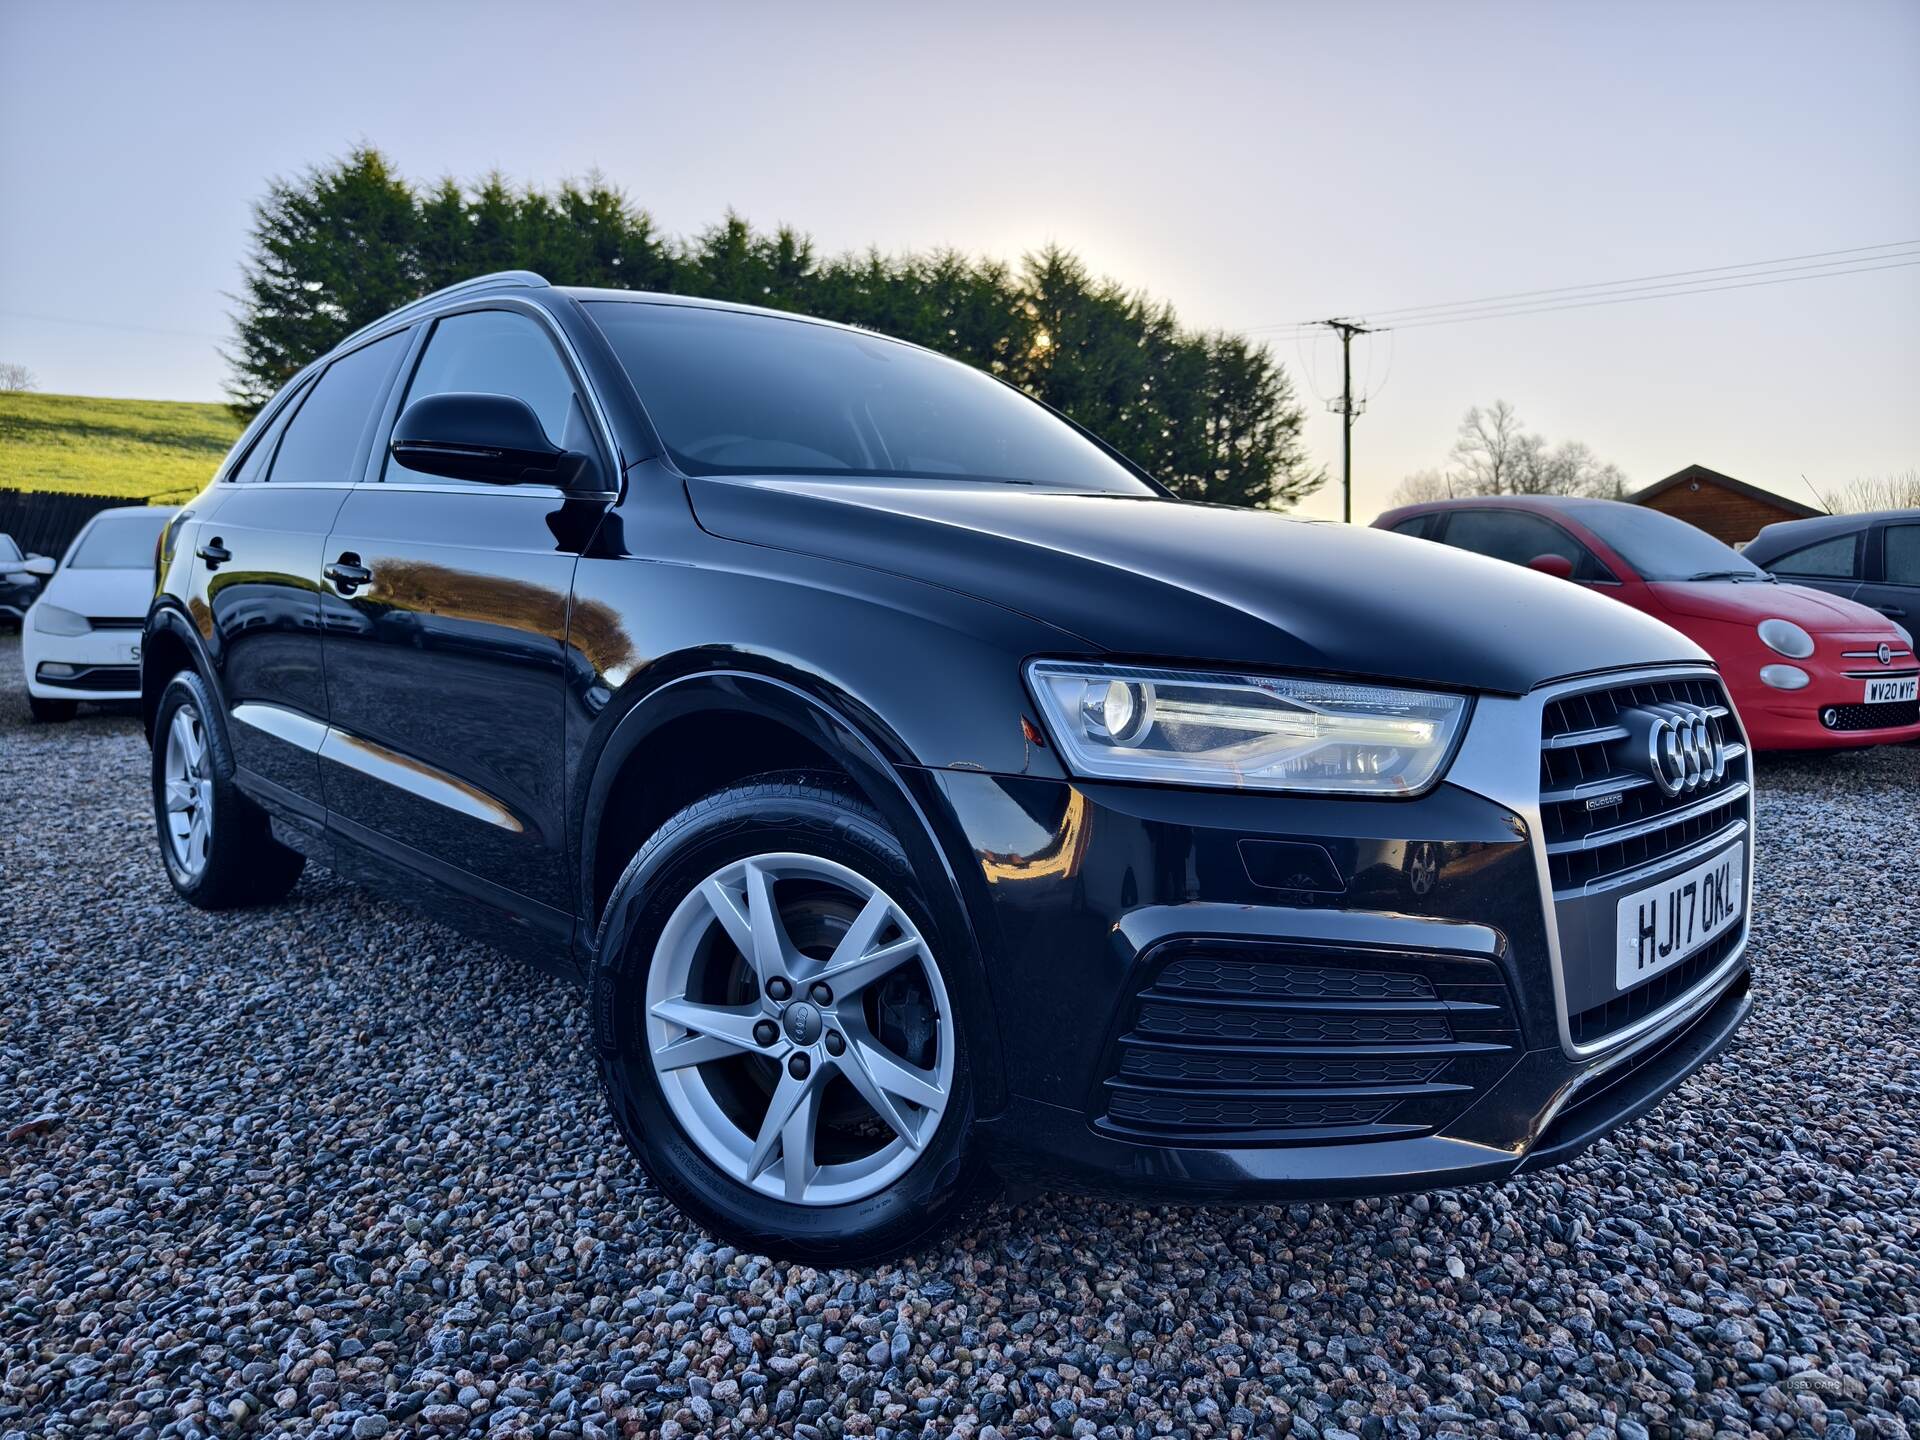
(1262, 732)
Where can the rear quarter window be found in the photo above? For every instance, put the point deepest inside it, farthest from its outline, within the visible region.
(260, 454)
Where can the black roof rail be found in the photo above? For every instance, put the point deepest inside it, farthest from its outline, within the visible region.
(479, 285)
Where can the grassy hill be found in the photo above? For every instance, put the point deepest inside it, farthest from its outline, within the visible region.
(152, 450)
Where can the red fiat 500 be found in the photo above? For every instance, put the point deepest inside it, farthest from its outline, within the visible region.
(1808, 671)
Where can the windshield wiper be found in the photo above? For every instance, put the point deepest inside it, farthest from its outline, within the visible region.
(1728, 575)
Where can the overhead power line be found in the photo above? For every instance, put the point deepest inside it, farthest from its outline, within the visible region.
(1631, 297)
(1565, 290)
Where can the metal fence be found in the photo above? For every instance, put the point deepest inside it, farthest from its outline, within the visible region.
(45, 524)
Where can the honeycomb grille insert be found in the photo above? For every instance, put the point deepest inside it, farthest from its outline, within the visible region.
(1872, 717)
(1215, 974)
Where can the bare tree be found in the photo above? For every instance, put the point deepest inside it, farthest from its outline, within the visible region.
(15, 378)
(1494, 455)
(1875, 492)
(1487, 454)
(1422, 486)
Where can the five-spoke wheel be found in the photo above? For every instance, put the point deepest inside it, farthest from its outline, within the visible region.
(187, 773)
(800, 1029)
(783, 1036)
(218, 847)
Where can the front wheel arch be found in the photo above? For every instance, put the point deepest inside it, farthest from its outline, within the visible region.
(814, 725)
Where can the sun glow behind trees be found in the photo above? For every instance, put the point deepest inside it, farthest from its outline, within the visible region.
(1212, 414)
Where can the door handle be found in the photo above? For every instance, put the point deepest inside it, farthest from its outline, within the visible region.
(214, 553)
(348, 574)
(1893, 610)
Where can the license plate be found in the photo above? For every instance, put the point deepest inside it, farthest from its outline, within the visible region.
(1658, 927)
(1894, 688)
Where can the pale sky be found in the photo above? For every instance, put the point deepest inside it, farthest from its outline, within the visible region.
(1253, 164)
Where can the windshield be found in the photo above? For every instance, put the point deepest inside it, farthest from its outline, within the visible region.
(741, 394)
(125, 542)
(1659, 547)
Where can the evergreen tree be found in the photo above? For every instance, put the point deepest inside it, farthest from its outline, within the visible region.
(330, 253)
(1212, 415)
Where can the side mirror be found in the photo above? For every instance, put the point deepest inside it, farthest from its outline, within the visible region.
(41, 565)
(494, 439)
(1552, 565)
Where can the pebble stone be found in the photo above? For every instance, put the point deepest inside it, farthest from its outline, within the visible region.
(326, 1169)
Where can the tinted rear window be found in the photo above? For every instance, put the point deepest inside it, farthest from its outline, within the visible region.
(739, 394)
(120, 542)
(324, 435)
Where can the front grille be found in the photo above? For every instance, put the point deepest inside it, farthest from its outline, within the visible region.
(95, 677)
(1609, 829)
(1253, 1042)
(118, 622)
(1601, 817)
(1871, 717)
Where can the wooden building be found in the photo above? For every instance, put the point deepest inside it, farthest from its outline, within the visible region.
(1726, 508)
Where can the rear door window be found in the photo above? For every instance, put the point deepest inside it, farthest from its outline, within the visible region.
(324, 437)
(1835, 559)
(1517, 537)
(1903, 554)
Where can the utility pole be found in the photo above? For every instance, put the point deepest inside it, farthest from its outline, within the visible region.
(1346, 407)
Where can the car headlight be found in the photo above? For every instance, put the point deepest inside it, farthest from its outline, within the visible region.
(1905, 634)
(1263, 732)
(1783, 637)
(52, 620)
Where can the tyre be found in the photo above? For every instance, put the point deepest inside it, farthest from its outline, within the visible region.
(52, 712)
(776, 1027)
(218, 849)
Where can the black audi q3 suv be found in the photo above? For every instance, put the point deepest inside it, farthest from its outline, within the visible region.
(923, 796)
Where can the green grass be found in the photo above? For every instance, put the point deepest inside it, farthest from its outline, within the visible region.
(151, 450)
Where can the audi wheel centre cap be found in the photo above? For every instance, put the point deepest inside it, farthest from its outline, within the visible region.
(803, 1022)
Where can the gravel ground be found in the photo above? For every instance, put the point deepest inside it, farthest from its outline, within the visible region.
(328, 1169)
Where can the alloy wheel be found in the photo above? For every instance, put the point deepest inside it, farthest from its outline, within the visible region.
(189, 792)
(800, 1029)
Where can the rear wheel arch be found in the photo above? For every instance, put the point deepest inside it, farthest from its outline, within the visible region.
(702, 732)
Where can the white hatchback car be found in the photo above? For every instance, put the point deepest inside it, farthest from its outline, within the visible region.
(81, 639)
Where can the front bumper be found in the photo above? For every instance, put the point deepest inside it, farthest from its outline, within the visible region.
(1430, 1046)
(1830, 713)
(103, 664)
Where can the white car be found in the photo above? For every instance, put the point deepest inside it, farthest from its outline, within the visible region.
(81, 638)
